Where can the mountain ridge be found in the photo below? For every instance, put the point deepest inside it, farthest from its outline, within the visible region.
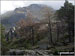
(20, 13)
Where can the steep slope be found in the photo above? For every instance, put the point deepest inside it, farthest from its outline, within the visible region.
(10, 18)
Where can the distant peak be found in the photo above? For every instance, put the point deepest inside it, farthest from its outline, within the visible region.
(34, 5)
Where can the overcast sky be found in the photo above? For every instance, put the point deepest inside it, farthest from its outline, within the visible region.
(11, 5)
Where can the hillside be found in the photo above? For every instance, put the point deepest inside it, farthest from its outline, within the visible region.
(10, 18)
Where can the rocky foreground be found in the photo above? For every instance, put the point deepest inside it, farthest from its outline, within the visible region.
(32, 53)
